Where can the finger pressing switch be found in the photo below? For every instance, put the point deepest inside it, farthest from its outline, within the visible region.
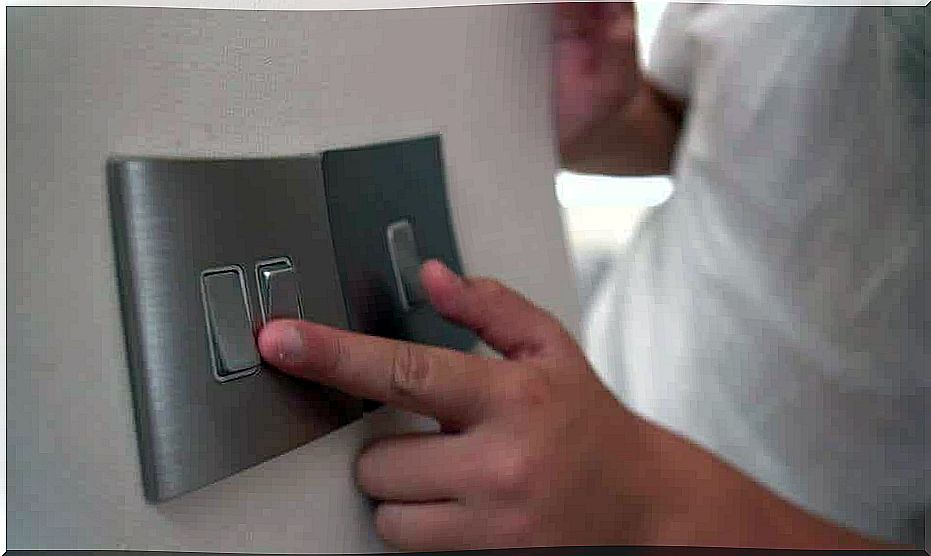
(279, 292)
(229, 323)
(406, 261)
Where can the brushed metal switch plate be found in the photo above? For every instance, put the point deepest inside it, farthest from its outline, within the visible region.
(172, 220)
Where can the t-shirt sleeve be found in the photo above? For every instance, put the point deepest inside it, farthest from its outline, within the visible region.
(673, 51)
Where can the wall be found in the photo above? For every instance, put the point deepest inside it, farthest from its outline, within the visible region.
(87, 83)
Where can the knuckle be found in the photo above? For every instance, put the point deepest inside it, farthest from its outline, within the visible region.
(490, 289)
(393, 529)
(339, 356)
(411, 372)
(386, 524)
(511, 474)
(529, 389)
(366, 472)
(552, 328)
(476, 473)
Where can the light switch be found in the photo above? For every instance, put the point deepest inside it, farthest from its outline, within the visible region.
(406, 261)
(279, 293)
(229, 323)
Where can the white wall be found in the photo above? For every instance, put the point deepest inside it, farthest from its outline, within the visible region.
(87, 83)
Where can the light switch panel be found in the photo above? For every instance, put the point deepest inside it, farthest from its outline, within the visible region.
(389, 212)
(206, 251)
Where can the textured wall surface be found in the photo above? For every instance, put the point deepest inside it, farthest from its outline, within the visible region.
(87, 83)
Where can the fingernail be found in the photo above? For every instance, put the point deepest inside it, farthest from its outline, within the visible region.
(289, 344)
(444, 271)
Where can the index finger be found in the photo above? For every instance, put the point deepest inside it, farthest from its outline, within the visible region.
(451, 386)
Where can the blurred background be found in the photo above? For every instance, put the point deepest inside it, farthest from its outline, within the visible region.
(601, 213)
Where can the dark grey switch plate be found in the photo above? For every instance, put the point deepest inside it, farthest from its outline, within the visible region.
(368, 190)
(174, 220)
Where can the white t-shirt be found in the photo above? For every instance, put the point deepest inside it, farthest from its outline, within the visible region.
(775, 309)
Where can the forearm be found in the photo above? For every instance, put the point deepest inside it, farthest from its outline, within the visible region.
(709, 503)
(637, 139)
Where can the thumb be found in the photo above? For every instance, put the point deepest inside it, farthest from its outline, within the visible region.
(504, 319)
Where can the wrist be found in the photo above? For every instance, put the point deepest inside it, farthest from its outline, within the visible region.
(671, 486)
(657, 482)
(700, 500)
